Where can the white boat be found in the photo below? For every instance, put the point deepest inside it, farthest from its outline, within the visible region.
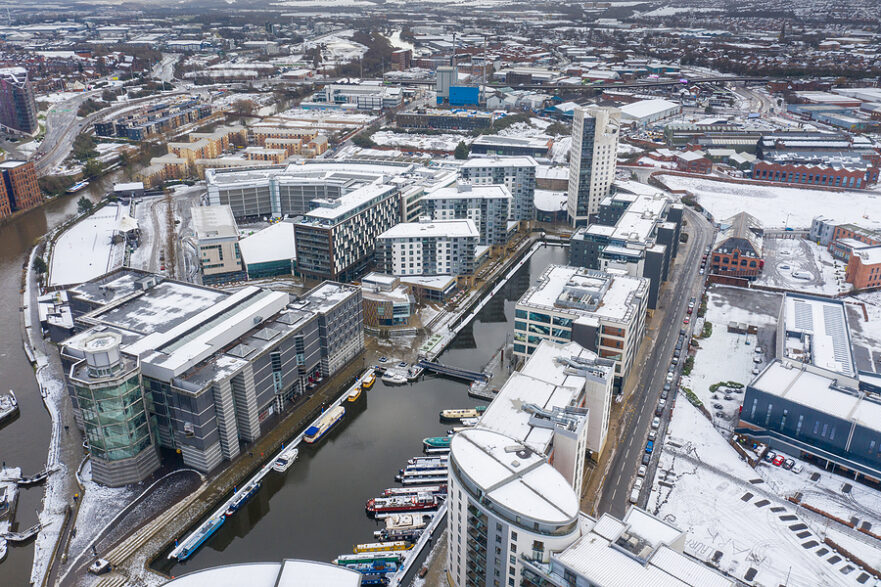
(285, 459)
(77, 187)
(394, 379)
(8, 405)
(407, 521)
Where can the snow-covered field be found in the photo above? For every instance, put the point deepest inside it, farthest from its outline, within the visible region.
(802, 265)
(708, 494)
(441, 142)
(779, 206)
(85, 250)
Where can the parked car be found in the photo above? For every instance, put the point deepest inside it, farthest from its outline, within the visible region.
(689, 310)
(646, 459)
(664, 393)
(778, 460)
(656, 423)
(756, 370)
(649, 447)
(642, 471)
(637, 483)
(798, 467)
(677, 353)
(99, 567)
(653, 434)
(669, 377)
(686, 320)
(758, 350)
(675, 360)
(788, 464)
(667, 387)
(383, 360)
(757, 358)
(718, 406)
(770, 456)
(634, 495)
(682, 332)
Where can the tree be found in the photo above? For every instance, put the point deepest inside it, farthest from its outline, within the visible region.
(39, 265)
(84, 147)
(92, 168)
(244, 107)
(461, 151)
(84, 205)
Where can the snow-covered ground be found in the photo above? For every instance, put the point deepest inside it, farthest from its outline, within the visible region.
(778, 206)
(99, 505)
(707, 492)
(868, 332)
(801, 265)
(441, 142)
(726, 356)
(57, 97)
(85, 250)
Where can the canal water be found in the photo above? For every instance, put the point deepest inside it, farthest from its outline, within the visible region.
(316, 510)
(24, 442)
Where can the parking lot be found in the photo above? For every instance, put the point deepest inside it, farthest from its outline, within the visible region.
(801, 265)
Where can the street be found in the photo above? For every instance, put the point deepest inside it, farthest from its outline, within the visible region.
(629, 451)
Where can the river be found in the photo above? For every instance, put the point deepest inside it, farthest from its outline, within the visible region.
(316, 510)
(24, 442)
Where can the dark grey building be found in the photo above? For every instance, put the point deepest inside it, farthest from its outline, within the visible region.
(18, 109)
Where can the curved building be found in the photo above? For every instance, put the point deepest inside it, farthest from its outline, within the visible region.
(288, 573)
(507, 504)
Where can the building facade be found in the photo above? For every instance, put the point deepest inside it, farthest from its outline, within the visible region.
(18, 109)
(593, 159)
(199, 371)
(737, 251)
(441, 247)
(603, 312)
(515, 173)
(20, 190)
(488, 206)
(217, 240)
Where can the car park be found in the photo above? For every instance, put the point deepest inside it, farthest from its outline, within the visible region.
(778, 460)
(642, 471)
(656, 423)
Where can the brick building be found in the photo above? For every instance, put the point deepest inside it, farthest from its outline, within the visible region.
(738, 248)
(864, 267)
(826, 175)
(19, 190)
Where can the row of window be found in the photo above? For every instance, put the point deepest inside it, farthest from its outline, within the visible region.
(804, 177)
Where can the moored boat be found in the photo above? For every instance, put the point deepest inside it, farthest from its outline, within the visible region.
(423, 480)
(195, 540)
(376, 567)
(386, 535)
(8, 406)
(461, 414)
(327, 421)
(435, 473)
(354, 395)
(393, 556)
(380, 546)
(439, 489)
(396, 522)
(394, 378)
(80, 185)
(241, 497)
(402, 503)
(368, 379)
(285, 459)
(436, 444)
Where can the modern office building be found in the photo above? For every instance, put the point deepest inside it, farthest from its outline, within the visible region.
(445, 119)
(270, 252)
(505, 504)
(19, 189)
(635, 232)
(641, 549)
(388, 303)
(18, 109)
(430, 247)
(559, 405)
(158, 363)
(603, 312)
(512, 146)
(488, 206)
(515, 173)
(593, 159)
(337, 238)
(217, 240)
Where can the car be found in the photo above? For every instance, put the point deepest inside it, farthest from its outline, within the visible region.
(383, 360)
(798, 468)
(788, 464)
(669, 377)
(770, 456)
(757, 359)
(675, 360)
(667, 387)
(682, 332)
(634, 495)
(653, 434)
(690, 310)
(728, 397)
(637, 483)
(659, 410)
(778, 460)
(656, 423)
(649, 447)
(692, 301)
(756, 370)
(701, 271)
(758, 349)
(671, 367)
(664, 393)
(677, 353)
(99, 567)
(642, 471)
(646, 459)
(686, 320)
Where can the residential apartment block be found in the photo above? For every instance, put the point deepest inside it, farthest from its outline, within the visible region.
(430, 247)
(19, 189)
(488, 206)
(160, 363)
(18, 109)
(515, 173)
(603, 312)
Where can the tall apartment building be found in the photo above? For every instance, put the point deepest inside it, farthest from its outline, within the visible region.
(637, 233)
(160, 363)
(515, 173)
(217, 240)
(18, 109)
(337, 239)
(430, 247)
(19, 189)
(505, 502)
(603, 312)
(488, 206)
(592, 160)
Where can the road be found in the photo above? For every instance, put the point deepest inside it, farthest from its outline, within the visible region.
(62, 128)
(164, 70)
(629, 451)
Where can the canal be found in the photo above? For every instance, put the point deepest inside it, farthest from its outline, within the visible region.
(24, 442)
(316, 510)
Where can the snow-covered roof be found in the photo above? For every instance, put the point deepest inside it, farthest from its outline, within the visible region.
(819, 326)
(288, 573)
(478, 161)
(466, 191)
(550, 201)
(648, 108)
(521, 481)
(274, 243)
(463, 228)
(337, 210)
(214, 222)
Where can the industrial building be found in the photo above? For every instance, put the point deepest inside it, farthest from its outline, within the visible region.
(158, 363)
(737, 251)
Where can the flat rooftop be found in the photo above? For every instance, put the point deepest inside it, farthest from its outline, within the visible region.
(467, 191)
(214, 222)
(435, 228)
(337, 210)
(817, 330)
(479, 162)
